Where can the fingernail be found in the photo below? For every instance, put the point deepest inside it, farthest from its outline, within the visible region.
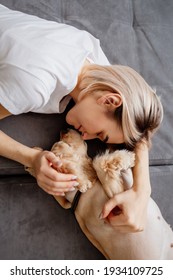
(75, 184)
(59, 163)
(74, 177)
(62, 194)
(72, 189)
(101, 216)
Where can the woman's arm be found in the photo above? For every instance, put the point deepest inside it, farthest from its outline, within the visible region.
(13, 150)
(41, 161)
(133, 203)
(4, 112)
(141, 175)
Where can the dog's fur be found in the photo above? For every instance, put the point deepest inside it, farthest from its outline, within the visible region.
(108, 175)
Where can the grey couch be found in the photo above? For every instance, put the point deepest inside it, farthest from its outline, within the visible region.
(137, 33)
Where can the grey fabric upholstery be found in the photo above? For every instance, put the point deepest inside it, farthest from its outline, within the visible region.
(132, 32)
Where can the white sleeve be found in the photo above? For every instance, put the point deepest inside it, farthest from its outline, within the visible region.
(21, 92)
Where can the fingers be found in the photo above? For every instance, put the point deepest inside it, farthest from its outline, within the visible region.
(57, 187)
(51, 157)
(108, 207)
(49, 179)
(45, 169)
(53, 160)
(120, 213)
(124, 223)
(54, 175)
(126, 228)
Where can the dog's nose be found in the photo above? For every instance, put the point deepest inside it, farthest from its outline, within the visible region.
(64, 132)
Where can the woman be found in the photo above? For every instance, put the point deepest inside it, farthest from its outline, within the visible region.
(42, 65)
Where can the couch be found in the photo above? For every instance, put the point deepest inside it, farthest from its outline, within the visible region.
(136, 33)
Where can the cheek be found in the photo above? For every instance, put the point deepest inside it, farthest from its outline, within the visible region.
(76, 115)
(89, 120)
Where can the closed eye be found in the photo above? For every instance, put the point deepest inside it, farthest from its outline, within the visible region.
(105, 139)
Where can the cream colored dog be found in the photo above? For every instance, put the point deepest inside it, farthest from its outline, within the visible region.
(99, 180)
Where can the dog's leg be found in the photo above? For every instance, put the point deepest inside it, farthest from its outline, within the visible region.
(114, 171)
(90, 236)
(63, 201)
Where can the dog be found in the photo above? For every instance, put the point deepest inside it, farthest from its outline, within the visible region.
(108, 174)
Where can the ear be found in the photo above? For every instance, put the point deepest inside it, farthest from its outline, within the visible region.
(110, 100)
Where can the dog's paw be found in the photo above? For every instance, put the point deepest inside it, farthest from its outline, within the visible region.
(116, 161)
(30, 170)
(84, 186)
(110, 167)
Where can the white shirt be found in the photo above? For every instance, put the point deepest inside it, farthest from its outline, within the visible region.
(40, 61)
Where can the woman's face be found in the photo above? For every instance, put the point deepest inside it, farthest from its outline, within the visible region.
(94, 120)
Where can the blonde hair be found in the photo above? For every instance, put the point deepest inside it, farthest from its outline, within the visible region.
(141, 112)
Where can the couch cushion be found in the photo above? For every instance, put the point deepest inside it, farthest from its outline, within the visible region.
(161, 182)
(134, 33)
(138, 34)
(34, 226)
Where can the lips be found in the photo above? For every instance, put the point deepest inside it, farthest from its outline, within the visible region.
(81, 130)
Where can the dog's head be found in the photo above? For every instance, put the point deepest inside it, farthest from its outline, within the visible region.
(74, 140)
(72, 151)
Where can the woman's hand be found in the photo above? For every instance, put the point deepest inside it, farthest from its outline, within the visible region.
(45, 165)
(127, 211)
